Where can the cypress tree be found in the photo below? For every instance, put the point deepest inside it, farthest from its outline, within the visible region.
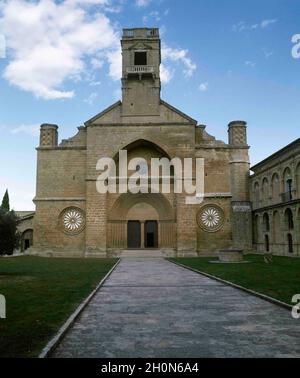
(5, 202)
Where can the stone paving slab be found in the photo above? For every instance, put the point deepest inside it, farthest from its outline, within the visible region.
(153, 308)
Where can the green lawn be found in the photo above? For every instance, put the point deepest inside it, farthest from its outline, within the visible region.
(280, 279)
(40, 294)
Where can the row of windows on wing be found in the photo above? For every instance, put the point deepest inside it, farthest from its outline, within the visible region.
(289, 240)
(273, 228)
(288, 220)
(274, 189)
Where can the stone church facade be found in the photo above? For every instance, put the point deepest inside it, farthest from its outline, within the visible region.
(73, 219)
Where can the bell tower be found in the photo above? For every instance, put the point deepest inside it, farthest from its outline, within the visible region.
(140, 72)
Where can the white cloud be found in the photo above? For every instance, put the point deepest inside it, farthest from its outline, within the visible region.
(89, 2)
(178, 55)
(203, 87)
(241, 26)
(91, 98)
(95, 83)
(249, 63)
(166, 74)
(96, 63)
(162, 30)
(56, 47)
(267, 53)
(68, 47)
(266, 23)
(115, 64)
(142, 3)
(155, 15)
(152, 16)
(32, 130)
(2, 47)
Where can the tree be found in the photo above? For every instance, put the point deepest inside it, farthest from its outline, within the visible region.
(9, 236)
(5, 202)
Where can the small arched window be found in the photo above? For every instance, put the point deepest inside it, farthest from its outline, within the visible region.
(265, 189)
(290, 243)
(267, 243)
(256, 193)
(288, 185)
(275, 188)
(298, 179)
(256, 229)
(276, 227)
(289, 220)
(266, 222)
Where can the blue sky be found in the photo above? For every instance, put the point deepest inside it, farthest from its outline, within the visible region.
(222, 61)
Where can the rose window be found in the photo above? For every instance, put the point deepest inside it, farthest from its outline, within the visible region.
(210, 218)
(73, 220)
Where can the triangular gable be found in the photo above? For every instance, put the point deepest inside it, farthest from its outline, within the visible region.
(168, 114)
(106, 115)
(140, 46)
(179, 114)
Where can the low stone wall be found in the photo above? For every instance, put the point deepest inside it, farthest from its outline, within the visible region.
(231, 255)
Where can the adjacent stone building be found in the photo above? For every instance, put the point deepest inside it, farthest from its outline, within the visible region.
(73, 219)
(25, 228)
(275, 195)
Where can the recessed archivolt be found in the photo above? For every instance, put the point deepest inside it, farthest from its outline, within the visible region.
(139, 143)
(126, 201)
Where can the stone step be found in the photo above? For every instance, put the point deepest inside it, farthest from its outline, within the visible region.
(145, 253)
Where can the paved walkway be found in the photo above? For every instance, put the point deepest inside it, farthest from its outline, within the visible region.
(153, 308)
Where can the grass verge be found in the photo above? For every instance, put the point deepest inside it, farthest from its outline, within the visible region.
(40, 295)
(280, 279)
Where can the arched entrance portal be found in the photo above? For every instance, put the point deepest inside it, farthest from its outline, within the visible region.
(141, 221)
(142, 226)
(134, 234)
